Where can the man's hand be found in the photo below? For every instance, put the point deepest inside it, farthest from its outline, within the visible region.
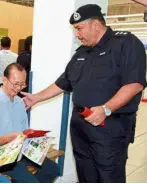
(29, 99)
(9, 137)
(97, 116)
(12, 136)
(48, 93)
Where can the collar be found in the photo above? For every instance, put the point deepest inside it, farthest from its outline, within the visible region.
(5, 97)
(108, 34)
(5, 50)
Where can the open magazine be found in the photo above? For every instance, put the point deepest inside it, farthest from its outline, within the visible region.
(34, 149)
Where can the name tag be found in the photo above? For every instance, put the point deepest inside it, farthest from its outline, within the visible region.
(103, 53)
(81, 59)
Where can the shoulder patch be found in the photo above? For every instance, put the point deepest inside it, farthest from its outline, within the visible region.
(121, 33)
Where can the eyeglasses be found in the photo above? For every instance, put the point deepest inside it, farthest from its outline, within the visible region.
(18, 85)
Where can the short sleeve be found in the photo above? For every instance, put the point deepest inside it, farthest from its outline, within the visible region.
(133, 62)
(63, 82)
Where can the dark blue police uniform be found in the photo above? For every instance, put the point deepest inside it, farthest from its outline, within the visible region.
(94, 75)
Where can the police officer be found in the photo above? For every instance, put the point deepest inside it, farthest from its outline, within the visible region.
(106, 74)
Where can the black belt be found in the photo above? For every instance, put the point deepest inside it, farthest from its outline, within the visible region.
(119, 115)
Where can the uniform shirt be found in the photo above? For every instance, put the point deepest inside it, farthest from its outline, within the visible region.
(6, 57)
(95, 74)
(13, 116)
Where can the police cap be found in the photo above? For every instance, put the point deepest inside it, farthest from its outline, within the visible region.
(86, 12)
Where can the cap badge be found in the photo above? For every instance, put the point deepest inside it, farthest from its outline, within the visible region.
(76, 16)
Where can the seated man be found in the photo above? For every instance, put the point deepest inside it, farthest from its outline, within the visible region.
(14, 119)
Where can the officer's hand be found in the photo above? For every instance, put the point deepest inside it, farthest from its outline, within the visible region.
(29, 99)
(97, 117)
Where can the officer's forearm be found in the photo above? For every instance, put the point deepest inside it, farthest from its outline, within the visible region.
(50, 92)
(123, 96)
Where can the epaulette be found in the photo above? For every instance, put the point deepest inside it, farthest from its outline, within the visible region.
(121, 33)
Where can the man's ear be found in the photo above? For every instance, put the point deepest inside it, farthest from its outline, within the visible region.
(97, 25)
(4, 79)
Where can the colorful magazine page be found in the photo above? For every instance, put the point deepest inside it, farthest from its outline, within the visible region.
(9, 152)
(36, 149)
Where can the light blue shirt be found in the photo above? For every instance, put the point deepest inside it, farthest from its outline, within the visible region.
(13, 116)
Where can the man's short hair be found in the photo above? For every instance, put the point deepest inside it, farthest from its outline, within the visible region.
(10, 67)
(28, 43)
(100, 19)
(6, 42)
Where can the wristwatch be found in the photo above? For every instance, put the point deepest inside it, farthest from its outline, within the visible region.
(107, 111)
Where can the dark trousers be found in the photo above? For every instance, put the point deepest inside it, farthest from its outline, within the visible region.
(47, 173)
(101, 152)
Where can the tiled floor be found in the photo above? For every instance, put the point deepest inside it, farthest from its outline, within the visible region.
(137, 163)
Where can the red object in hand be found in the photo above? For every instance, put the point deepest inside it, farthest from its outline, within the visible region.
(87, 112)
(30, 133)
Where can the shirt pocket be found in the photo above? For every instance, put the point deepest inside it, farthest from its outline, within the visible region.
(101, 66)
(76, 70)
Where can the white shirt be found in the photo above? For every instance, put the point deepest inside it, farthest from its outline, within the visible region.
(6, 57)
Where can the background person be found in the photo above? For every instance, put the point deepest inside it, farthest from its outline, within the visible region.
(24, 58)
(6, 55)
